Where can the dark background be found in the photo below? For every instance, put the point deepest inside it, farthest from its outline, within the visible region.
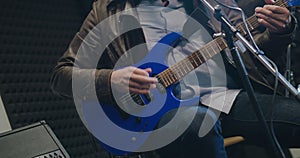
(33, 35)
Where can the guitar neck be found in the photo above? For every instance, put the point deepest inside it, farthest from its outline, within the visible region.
(176, 72)
(252, 21)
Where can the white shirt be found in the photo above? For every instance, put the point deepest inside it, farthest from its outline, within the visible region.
(212, 81)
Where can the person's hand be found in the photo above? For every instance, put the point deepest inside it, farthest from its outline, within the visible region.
(133, 79)
(277, 19)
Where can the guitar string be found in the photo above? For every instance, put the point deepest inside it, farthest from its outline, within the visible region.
(253, 21)
(169, 75)
(186, 65)
(203, 51)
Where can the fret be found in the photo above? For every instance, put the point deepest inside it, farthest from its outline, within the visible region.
(215, 50)
(252, 21)
(177, 71)
(250, 24)
(199, 57)
(189, 64)
(180, 69)
(192, 61)
(212, 50)
(161, 79)
(165, 79)
(169, 76)
(206, 51)
(168, 79)
(242, 30)
(203, 51)
(180, 73)
(221, 42)
(172, 75)
(219, 47)
(216, 47)
(184, 66)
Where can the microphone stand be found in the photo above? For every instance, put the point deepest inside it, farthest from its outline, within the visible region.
(288, 72)
(230, 32)
(260, 55)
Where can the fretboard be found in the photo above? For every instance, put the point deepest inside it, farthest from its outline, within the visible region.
(252, 21)
(177, 71)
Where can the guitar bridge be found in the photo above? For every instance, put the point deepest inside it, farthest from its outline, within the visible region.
(142, 99)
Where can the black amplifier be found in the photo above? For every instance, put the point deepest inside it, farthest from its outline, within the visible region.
(32, 141)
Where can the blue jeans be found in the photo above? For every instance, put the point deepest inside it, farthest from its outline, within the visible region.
(286, 119)
(189, 144)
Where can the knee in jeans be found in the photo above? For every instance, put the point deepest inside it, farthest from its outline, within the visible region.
(206, 121)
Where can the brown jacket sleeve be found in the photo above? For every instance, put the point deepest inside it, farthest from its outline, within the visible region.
(82, 66)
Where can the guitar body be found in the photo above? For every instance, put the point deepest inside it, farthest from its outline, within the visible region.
(162, 100)
(143, 121)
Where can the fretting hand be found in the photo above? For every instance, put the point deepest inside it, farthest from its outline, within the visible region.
(277, 19)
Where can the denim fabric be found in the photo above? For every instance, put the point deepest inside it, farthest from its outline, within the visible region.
(286, 119)
(189, 144)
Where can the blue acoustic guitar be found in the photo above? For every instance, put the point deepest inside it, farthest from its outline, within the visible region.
(167, 77)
